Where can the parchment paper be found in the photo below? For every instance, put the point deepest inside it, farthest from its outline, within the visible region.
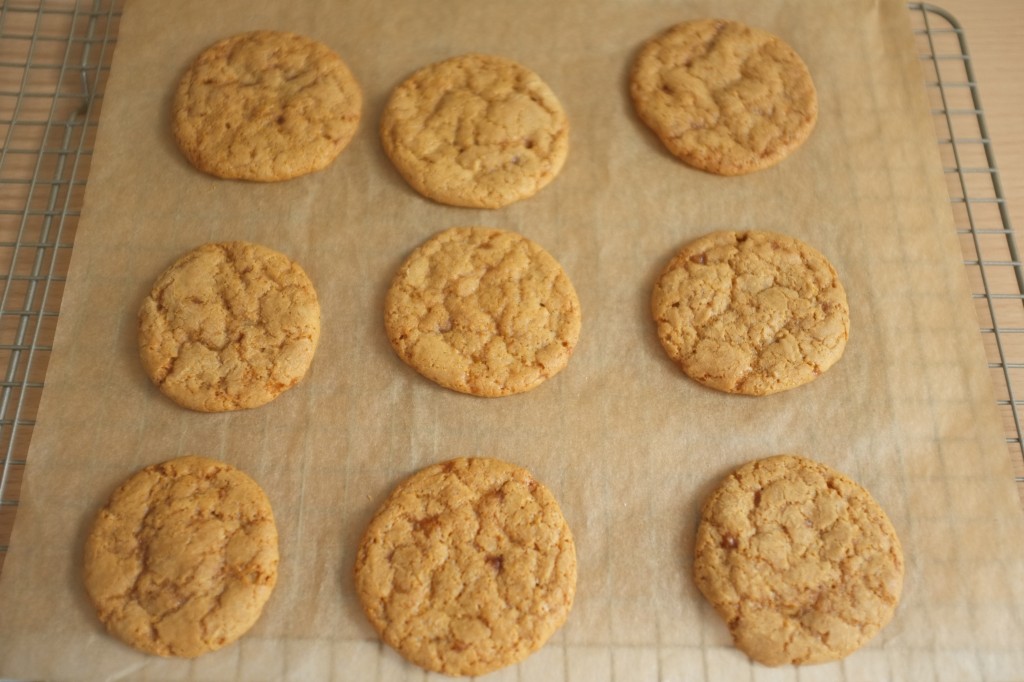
(628, 444)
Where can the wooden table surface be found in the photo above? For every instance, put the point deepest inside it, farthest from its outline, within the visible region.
(993, 29)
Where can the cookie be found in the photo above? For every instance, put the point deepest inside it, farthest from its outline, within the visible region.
(751, 312)
(265, 106)
(229, 326)
(724, 97)
(469, 566)
(801, 562)
(475, 130)
(182, 558)
(482, 311)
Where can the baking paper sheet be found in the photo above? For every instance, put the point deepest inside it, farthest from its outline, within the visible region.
(628, 444)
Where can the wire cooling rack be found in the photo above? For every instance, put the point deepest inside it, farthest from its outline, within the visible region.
(979, 211)
(54, 61)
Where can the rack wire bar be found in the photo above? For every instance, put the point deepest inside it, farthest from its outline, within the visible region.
(54, 61)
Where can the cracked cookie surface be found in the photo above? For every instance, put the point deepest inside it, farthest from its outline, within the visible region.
(229, 326)
(724, 97)
(751, 312)
(265, 106)
(475, 130)
(800, 561)
(483, 311)
(468, 566)
(182, 558)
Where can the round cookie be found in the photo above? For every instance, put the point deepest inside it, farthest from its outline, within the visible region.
(469, 566)
(475, 130)
(800, 561)
(724, 97)
(229, 326)
(265, 106)
(182, 558)
(751, 312)
(482, 311)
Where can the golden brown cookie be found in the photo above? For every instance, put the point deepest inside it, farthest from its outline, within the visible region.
(229, 326)
(475, 130)
(182, 558)
(469, 566)
(751, 312)
(800, 561)
(724, 97)
(265, 106)
(482, 311)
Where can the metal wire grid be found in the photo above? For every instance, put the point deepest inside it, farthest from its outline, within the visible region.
(54, 59)
(50, 109)
(979, 210)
